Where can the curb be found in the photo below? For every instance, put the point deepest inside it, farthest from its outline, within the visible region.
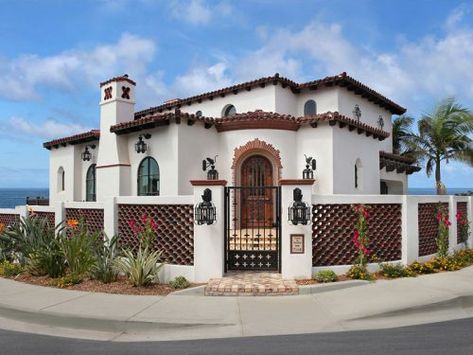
(335, 286)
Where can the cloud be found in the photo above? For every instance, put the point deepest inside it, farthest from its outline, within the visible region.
(23, 77)
(197, 12)
(49, 129)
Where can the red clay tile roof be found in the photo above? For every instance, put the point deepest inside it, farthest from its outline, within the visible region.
(250, 120)
(397, 162)
(155, 120)
(118, 78)
(85, 137)
(342, 80)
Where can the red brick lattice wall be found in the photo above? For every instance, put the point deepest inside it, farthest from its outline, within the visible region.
(175, 233)
(49, 216)
(9, 219)
(92, 217)
(332, 233)
(462, 207)
(428, 227)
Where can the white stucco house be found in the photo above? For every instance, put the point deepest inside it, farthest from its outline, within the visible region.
(268, 124)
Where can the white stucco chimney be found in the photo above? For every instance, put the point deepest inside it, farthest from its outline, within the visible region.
(117, 104)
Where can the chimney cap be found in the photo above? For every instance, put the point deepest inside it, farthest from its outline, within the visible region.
(123, 77)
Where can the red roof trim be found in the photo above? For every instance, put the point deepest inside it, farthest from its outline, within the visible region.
(75, 139)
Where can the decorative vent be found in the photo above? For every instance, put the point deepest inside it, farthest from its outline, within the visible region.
(428, 227)
(92, 217)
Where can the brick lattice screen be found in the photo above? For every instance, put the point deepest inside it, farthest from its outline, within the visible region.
(9, 219)
(332, 233)
(91, 216)
(175, 234)
(462, 207)
(428, 227)
(49, 216)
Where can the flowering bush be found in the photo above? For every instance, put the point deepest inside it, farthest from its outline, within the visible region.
(145, 231)
(442, 238)
(463, 227)
(360, 234)
(359, 272)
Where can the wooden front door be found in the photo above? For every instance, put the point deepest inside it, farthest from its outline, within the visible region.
(256, 200)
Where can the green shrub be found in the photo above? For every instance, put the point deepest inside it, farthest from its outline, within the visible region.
(464, 257)
(105, 255)
(359, 272)
(179, 282)
(141, 268)
(78, 245)
(67, 280)
(34, 244)
(326, 276)
(448, 263)
(9, 269)
(394, 271)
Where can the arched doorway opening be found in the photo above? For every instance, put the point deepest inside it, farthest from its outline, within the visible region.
(256, 176)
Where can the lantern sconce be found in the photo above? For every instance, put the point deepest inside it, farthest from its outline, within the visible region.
(357, 112)
(86, 155)
(381, 122)
(205, 212)
(310, 166)
(212, 173)
(141, 146)
(299, 212)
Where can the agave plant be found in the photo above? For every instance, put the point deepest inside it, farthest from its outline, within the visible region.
(141, 268)
(105, 254)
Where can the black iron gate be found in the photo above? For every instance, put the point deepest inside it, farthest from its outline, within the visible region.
(253, 228)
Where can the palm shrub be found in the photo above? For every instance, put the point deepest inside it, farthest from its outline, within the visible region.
(105, 255)
(77, 245)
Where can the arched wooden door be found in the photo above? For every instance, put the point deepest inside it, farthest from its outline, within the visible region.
(256, 200)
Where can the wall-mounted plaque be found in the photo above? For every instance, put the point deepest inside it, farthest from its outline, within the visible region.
(297, 243)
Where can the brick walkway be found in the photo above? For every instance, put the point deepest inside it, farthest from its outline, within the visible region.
(251, 284)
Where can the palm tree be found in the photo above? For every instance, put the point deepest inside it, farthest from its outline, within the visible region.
(443, 136)
(401, 133)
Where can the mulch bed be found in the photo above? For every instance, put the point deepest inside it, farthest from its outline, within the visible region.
(313, 281)
(121, 286)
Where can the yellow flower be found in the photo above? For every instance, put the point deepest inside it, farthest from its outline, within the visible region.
(73, 223)
(2, 228)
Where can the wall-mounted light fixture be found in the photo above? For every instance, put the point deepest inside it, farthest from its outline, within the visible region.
(381, 122)
(205, 212)
(86, 155)
(209, 164)
(141, 146)
(310, 166)
(299, 211)
(357, 112)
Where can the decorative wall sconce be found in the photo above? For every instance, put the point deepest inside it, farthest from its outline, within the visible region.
(357, 112)
(310, 166)
(381, 122)
(212, 173)
(299, 212)
(205, 212)
(141, 146)
(86, 155)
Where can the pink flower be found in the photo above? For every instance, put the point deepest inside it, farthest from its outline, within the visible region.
(439, 216)
(144, 218)
(458, 216)
(356, 238)
(153, 224)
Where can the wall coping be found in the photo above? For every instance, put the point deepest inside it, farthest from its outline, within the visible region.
(209, 182)
(296, 182)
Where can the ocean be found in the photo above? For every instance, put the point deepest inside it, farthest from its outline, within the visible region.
(9, 198)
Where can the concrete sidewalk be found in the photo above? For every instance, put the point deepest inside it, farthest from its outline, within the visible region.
(190, 315)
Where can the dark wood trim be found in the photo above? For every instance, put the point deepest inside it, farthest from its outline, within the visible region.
(208, 182)
(256, 124)
(296, 182)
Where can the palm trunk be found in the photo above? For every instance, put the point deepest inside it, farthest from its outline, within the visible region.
(438, 179)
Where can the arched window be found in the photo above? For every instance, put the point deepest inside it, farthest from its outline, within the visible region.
(358, 174)
(148, 177)
(61, 179)
(310, 108)
(229, 111)
(90, 184)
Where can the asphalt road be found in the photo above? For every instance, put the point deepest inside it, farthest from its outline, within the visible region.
(454, 337)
